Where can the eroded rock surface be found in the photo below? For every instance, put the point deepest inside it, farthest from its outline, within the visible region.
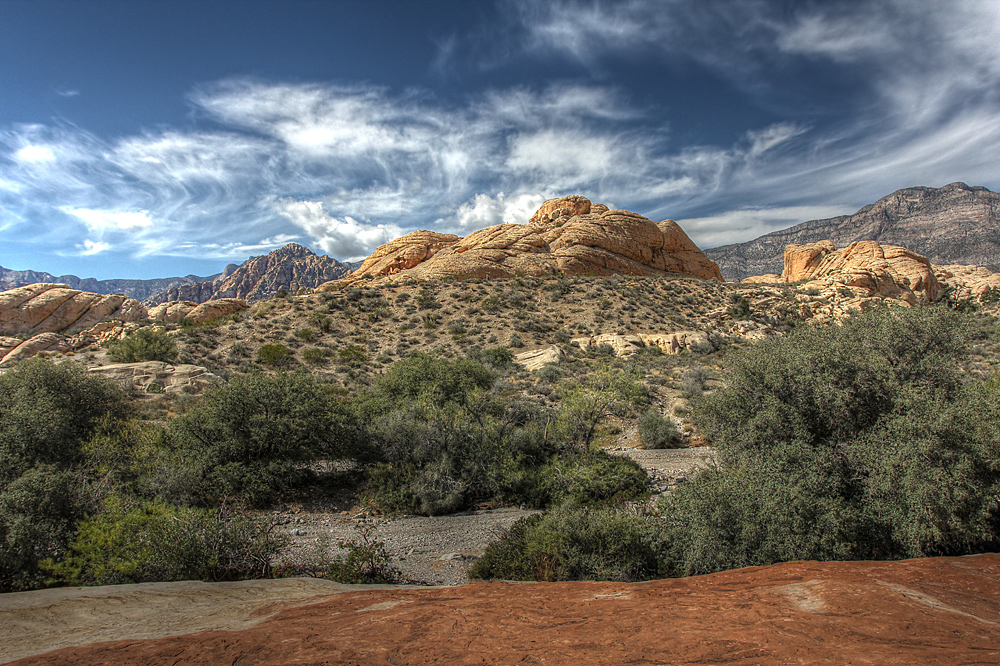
(881, 270)
(931, 611)
(159, 377)
(51, 308)
(172, 313)
(570, 236)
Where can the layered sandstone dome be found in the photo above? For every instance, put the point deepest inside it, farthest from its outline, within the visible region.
(569, 236)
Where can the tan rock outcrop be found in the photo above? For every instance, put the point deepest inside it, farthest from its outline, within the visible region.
(537, 359)
(159, 377)
(172, 313)
(46, 308)
(43, 342)
(881, 270)
(669, 343)
(567, 236)
(967, 282)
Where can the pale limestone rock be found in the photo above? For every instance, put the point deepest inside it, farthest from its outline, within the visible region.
(669, 343)
(43, 342)
(159, 377)
(172, 313)
(968, 282)
(538, 358)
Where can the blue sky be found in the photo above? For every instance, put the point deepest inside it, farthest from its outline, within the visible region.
(155, 138)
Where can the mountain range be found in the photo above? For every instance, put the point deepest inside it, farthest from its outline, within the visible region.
(954, 224)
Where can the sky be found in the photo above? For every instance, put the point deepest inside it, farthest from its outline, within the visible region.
(160, 138)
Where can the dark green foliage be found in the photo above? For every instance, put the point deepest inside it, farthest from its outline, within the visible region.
(253, 433)
(275, 355)
(155, 541)
(46, 413)
(144, 344)
(657, 431)
(37, 514)
(990, 296)
(573, 543)
(47, 410)
(591, 477)
(366, 561)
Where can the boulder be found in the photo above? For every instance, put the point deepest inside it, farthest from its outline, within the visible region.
(568, 236)
(43, 342)
(538, 358)
(967, 282)
(50, 308)
(172, 313)
(881, 270)
(669, 343)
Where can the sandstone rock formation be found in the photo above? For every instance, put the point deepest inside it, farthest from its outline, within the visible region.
(159, 377)
(172, 313)
(967, 282)
(46, 308)
(955, 224)
(570, 236)
(537, 359)
(881, 270)
(140, 290)
(929, 611)
(292, 267)
(669, 343)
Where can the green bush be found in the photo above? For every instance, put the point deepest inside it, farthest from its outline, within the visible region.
(592, 476)
(658, 432)
(47, 411)
(253, 434)
(275, 355)
(573, 543)
(154, 541)
(144, 344)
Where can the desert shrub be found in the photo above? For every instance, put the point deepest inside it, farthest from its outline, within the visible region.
(365, 561)
(155, 541)
(608, 391)
(38, 510)
(591, 477)
(497, 358)
(819, 434)
(549, 372)
(47, 411)
(144, 344)
(693, 381)
(305, 333)
(573, 543)
(275, 355)
(657, 431)
(315, 356)
(252, 434)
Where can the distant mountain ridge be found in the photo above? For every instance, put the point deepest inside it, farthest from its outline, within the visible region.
(291, 267)
(954, 224)
(138, 289)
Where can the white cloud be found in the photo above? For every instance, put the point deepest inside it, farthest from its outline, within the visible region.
(33, 154)
(105, 220)
(345, 237)
(90, 248)
(737, 226)
(486, 211)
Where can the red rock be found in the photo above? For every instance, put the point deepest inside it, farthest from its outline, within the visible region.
(930, 611)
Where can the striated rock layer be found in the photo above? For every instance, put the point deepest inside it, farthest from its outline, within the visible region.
(954, 224)
(931, 611)
(569, 236)
(49, 308)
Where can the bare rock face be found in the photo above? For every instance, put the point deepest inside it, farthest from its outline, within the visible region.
(967, 282)
(404, 253)
(292, 267)
(47, 308)
(669, 343)
(159, 377)
(537, 359)
(567, 236)
(172, 313)
(954, 224)
(882, 270)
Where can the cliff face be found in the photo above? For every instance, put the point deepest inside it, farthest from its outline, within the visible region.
(569, 236)
(292, 267)
(955, 224)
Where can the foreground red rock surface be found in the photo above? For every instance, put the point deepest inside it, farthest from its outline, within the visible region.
(933, 611)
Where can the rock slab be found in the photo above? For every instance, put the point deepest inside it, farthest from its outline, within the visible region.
(931, 611)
